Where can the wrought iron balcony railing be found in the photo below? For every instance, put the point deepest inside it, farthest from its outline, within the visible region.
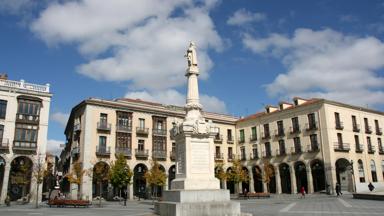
(341, 147)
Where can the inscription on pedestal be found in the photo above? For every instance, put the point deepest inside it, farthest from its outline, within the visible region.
(200, 157)
(180, 163)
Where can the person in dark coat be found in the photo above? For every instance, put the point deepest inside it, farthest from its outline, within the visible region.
(370, 186)
(338, 189)
(125, 196)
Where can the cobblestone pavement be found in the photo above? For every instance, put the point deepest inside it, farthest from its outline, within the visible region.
(290, 205)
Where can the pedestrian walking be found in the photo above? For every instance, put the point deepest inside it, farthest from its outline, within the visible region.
(302, 191)
(245, 192)
(371, 187)
(125, 196)
(338, 189)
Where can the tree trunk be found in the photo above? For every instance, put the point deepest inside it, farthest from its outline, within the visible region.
(101, 188)
(37, 195)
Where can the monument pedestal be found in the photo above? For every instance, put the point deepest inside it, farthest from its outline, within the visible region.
(197, 202)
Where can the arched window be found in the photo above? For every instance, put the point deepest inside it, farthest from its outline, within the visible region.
(373, 171)
(361, 171)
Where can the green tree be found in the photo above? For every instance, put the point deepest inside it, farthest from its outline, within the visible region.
(76, 176)
(268, 173)
(120, 173)
(155, 177)
(237, 174)
(100, 175)
(38, 173)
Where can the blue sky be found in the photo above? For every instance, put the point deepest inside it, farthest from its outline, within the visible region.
(251, 53)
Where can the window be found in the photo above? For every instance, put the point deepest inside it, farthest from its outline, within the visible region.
(253, 133)
(242, 136)
(338, 122)
(102, 143)
(367, 127)
(380, 144)
(282, 147)
(242, 151)
(140, 145)
(229, 135)
(26, 133)
(357, 143)
(27, 107)
(297, 143)
(123, 140)
(103, 119)
(361, 171)
(159, 143)
(314, 143)
(142, 123)
(312, 121)
(280, 128)
(159, 124)
(255, 154)
(268, 149)
(266, 131)
(173, 147)
(3, 109)
(382, 167)
(354, 124)
(373, 171)
(369, 144)
(377, 128)
(340, 139)
(124, 119)
(218, 153)
(230, 153)
(1, 133)
(295, 125)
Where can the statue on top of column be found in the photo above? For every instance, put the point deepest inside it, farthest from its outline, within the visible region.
(191, 55)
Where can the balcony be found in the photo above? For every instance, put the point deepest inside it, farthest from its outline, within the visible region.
(243, 157)
(339, 125)
(267, 154)
(230, 140)
(103, 126)
(218, 138)
(368, 129)
(4, 145)
(172, 155)
(253, 138)
(311, 126)
(265, 136)
(241, 140)
(124, 128)
(159, 154)
(281, 152)
(24, 146)
(381, 150)
(313, 147)
(127, 152)
(356, 128)
(103, 151)
(295, 129)
(76, 127)
(27, 118)
(254, 156)
(143, 154)
(359, 148)
(25, 86)
(159, 132)
(142, 131)
(379, 131)
(296, 150)
(230, 157)
(371, 149)
(219, 157)
(279, 132)
(341, 147)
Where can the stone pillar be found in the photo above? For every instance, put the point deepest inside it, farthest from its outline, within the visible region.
(293, 179)
(130, 192)
(165, 187)
(265, 187)
(278, 180)
(309, 178)
(225, 185)
(251, 182)
(4, 189)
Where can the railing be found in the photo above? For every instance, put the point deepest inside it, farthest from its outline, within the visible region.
(103, 126)
(172, 155)
(253, 137)
(243, 157)
(142, 130)
(379, 131)
(280, 132)
(341, 147)
(339, 125)
(230, 140)
(230, 157)
(24, 145)
(219, 156)
(311, 126)
(141, 153)
(159, 132)
(359, 148)
(296, 149)
(124, 128)
(103, 151)
(26, 86)
(295, 129)
(371, 149)
(281, 152)
(241, 140)
(265, 136)
(218, 138)
(356, 128)
(23, 117)
(127, 152)
(4, 145)
(267, 154)
(313, 147)
(77, 127)
(159, 154)
(368, 129)
(254, 156)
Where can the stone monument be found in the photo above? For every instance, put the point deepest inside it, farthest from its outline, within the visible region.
(195, 190)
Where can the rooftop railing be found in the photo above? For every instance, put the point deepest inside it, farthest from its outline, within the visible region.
(25, 86)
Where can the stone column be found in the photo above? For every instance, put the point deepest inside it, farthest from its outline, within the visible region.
(165, 187)
(278, 180)
(309, 178)
(224, 184)
(293, 179)
(130, 192)
(251, 182)
(4, 189)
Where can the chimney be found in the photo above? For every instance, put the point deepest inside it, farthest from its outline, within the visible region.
(270, 109)
(284, 105)
(3, 76)
(298, 101)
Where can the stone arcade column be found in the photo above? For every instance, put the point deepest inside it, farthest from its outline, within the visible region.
(309, 178)
(4, 189)
(278, 180)
(195, 190)
(293, 179)
(251, 181)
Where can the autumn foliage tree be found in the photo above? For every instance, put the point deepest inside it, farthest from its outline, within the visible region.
(237, 174)
(268, 173)
(76, 175)
(155, 177)
(120, 173)
(220, 173)
(100, 174)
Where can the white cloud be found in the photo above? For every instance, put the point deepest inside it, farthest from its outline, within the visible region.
(325, 64)
(53, 146)
(242, 16)
(14, 6)
(173, 97)
(138, 41)
(60, 118)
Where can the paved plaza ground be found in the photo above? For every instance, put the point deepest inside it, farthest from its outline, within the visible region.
(277, 205)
